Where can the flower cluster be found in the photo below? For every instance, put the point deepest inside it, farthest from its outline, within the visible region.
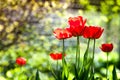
(83, 70)
(77, 28)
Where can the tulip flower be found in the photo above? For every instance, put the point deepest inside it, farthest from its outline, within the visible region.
(77, 25)
(56, 56)
(62, 33)
(93, 32)
(21, 61)
(107, 47)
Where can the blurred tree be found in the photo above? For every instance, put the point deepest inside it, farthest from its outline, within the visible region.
(110, 9)
(17, 15)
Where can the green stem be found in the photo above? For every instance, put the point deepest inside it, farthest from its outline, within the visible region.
(77, 53)
(93, 57)
(57, 69)
(86, 52)
(88, 44)
(57, 66)
(63, 53)
(53, 72)
(107, 67)
(21, 68)
(94, 49)
(63, 60)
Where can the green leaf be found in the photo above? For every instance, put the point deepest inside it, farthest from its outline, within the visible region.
(71, 76)
(84, 73)
(86, 55)
(76, 72)
(115, 8)
(114, 73)
(37, 75)
(98, 78)
(118, 2)
(65, 73)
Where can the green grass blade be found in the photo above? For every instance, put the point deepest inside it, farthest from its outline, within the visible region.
(37, 76)
(114, 73)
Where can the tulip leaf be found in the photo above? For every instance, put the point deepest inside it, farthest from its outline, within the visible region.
(37, 76)
(114, 73)
(71, 76)
(65, 73)
(84, 72)
(76, 72)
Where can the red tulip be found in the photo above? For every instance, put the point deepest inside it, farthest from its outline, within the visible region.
(56, 56)
(62, 33)
(21, 61)
(77, 25)
(93, 32)
(107, 47)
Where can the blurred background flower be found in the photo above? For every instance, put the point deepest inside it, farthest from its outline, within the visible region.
(21, 61)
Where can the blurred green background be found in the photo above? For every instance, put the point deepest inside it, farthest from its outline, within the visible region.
(26, 30)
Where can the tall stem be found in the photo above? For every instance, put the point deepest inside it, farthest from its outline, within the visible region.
(77, 52)
(93, 57)
(94, 49)
(107, 67)
(63, 60)
(57, 66)
(86, 52)
(88, 44)
(57, 69)
(63, 53)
